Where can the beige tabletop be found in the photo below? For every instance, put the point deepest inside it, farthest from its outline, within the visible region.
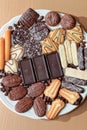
(76, 120)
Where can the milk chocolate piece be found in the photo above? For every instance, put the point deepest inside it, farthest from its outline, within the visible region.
(75, 80)
(27, 71)
(72, 87)
(81, 57)
(54, 64)
(40, 68)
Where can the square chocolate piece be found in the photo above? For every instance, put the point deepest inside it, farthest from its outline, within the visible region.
(40, 68)
(27, 71)
(54, 65)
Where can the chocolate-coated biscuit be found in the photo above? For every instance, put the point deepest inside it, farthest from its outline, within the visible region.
(24, 104)
(36, 89)
(17, 93)
(28, 18)
(39, 107)
(68, 21)
(11, 81)
(52, 18)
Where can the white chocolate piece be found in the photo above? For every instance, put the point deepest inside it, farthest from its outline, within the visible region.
(11, 66)
(70, 96)
(74, 53)
(55, 108)
(80, 74)
(62, 54)
(17, 52)
(67, 46)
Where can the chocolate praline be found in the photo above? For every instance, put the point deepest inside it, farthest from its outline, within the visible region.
(52, 18)
(68, 21)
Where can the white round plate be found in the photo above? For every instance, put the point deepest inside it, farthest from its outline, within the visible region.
(11, 104)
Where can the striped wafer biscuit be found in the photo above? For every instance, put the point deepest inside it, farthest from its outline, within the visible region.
(48, 46)
(58, 35)
(75, 34)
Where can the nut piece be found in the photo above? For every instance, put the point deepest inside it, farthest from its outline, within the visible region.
(11, 81)
(52, 90)
(24, 105)
(55, 108)
(39, 107)
(17, 93)
(70, 96)
(36, 89)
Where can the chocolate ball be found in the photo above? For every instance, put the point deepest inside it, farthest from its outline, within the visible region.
(68, 22)
(52, 18)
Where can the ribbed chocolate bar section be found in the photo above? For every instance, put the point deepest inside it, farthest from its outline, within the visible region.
(40, 68)
(54, 65)
(27, 71)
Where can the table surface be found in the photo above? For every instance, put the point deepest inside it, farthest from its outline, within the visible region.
(76, 120)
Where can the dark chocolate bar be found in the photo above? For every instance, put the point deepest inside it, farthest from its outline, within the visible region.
(72, 87)
(27, 71)
(81, 57)
(40, 68)
(75, 80)
(54, 65)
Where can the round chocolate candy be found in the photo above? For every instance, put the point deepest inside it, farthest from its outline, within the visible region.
(52, 18)
(68, 21)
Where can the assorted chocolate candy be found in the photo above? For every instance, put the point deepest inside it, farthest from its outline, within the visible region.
(38, 66)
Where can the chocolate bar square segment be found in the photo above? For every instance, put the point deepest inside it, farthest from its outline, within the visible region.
(40, 68)
(27, 71)
(54, 65)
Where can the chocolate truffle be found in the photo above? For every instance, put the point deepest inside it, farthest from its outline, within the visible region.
(52, 18)
(68, 21)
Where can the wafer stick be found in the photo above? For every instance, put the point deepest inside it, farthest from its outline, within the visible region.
(7, 44)
(2, 53)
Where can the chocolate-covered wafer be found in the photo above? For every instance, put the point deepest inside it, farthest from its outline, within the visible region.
(75, 80)
(72, 87)
(85, 57)
(28, 18)
(81, 57)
